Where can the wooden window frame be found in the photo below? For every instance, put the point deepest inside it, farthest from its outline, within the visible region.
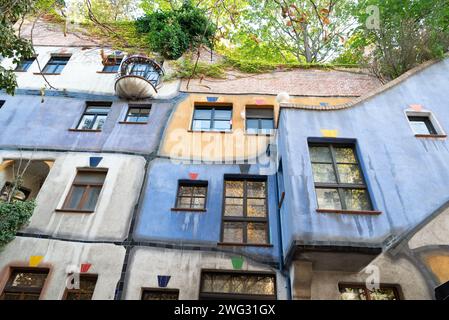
(338, 185)
(76, 291)
(95, 114)
(245, 219)
(213, 107)
(191, 183)
(85, 192)
(24, 290)
(50, 62)
(158, 290)
(236, 296)
(355, 285)
(140, 107)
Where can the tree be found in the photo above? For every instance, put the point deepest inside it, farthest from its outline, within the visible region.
(411, 32)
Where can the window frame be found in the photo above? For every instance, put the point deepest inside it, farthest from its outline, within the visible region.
(90, 104)
(430, 119)
(24, 290)
(159, 290)
(259, 120)
(244, 218)
(86, 193)
(213, 107)
(137, 106)
(356, 285)
(235, 296)
(88, 276)
(338, 185)
(192, 183)
(56, 56)
(28, 65)
(117, 62)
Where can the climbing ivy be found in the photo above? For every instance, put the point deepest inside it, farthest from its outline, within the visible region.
(13, 216)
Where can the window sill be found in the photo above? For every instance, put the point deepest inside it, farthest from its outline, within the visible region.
(73, 211)
(84, 130)
(107, 72)
(188, 210)
(128, 122)
(244, 245)
(353, 212)
(46, 74)
(259, 134)
(430, 136)
(209, 131)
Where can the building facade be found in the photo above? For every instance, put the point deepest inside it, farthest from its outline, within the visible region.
(206, 189)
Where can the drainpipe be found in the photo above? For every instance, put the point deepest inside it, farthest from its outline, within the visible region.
(284, 272)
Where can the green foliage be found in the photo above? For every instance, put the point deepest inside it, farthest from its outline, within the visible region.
(172, 32)
(13, 216)
(185, 67)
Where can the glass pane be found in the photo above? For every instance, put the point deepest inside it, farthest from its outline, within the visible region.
(420, 127)
(202, 114)
(328, 199)
(320, 154)
(256, 208)
(356, 199)
(159, 295)
(222, 125)
(98, 110)
(323, 173)
(222, 114)
(75, 199)
(233, 232)
(383, 294)
(233, 207)
(99, 122)
(198, 203)
(184, 202)
(350, 173)
(345, 155)
(28, 279)
(256, 189)
(59, 68)
(259, 285)
(199, 191)
(257, 233)
(252, 124)
(86, 122)
(234, 188)
(91, 202)
(352, 294)
(201, 125)
(90, 177)
(185, 191)
(238, 284)
(267, 124)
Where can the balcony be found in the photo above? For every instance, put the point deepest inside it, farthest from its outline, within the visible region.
(139, 77)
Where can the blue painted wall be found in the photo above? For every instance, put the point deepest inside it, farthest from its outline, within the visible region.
(157, 222)
(407, 177)
(26, 122)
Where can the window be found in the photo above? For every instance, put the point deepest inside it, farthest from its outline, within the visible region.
(56, 64)
(86, 289)
(112, 65)
(212, 119)
(138, 114)
(160, 294)
(360, 292)
(2, 102)
(24, 64)
(259, 120)
(192, 195)
(21, 194)
(339, 182)
(245, 214)
(422, 125)
(25, 284)
(148, 71)
(94, 116)
(85, 190)
(237, 285)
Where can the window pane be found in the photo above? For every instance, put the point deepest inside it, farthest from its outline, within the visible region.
(420, 127)
(201, 125)
(267, 124)
(59, 68)
(223, 114)
(91, 202)
(345, 155)
(222, 125)
(98, 110)
(234, 188)
(185, 191)
(198, 203)
(320, 154)
(233, 232)
(75, 198)
(256, 208)
(328, 199)
(352, 294)
(28, 279)
(238, 284)
(356, 199)
(252, 124)
(90, 177)
(324, 173)
(86, 122)
(257, 233)
(159, 295)
(383, 294)
(256, 189)
(184, 202)
(202, 114)
(233, 207)
(199, 191)
(99, 122)
(350, 173)
(85, 291)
